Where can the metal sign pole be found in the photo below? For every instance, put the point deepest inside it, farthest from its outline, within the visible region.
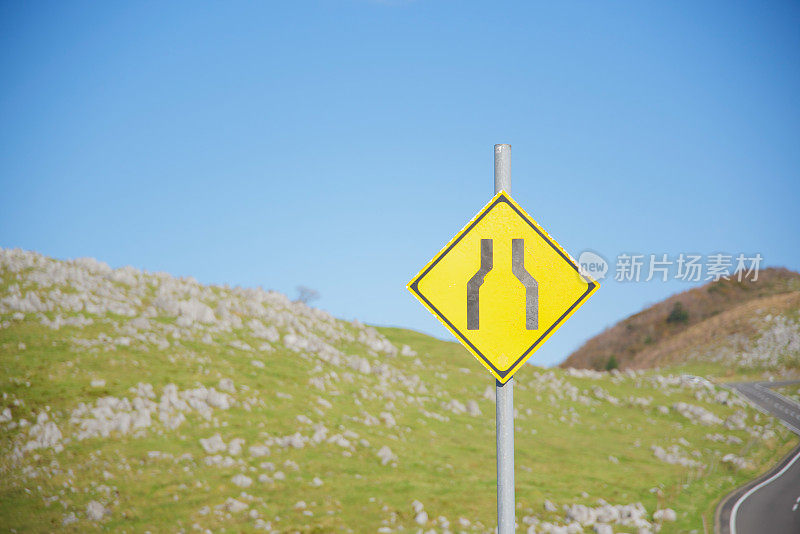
(504, 392)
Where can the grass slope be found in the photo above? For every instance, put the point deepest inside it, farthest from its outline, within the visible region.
(359, 423)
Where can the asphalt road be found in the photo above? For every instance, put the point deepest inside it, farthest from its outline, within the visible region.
(770, 504)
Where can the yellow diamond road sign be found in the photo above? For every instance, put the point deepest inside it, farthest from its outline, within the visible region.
(502, 286)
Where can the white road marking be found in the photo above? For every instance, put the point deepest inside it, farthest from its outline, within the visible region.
(756, 390)
(764, 394)
(752, 490)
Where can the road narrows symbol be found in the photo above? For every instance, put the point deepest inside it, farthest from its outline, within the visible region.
(518, 268)
(475, 283)
(531, 285)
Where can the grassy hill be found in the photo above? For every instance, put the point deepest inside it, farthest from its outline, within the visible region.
(134, 401)
(727, 322)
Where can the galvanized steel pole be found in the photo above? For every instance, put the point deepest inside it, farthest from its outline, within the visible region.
(504, 393)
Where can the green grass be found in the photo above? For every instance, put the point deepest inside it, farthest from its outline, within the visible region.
(445, 460)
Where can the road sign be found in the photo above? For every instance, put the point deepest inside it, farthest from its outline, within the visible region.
(502, 286)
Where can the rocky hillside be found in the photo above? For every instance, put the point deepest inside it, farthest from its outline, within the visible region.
(136, 401)
(749, 324)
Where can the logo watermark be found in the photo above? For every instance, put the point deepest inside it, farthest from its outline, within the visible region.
(663, 267)
(593, 265)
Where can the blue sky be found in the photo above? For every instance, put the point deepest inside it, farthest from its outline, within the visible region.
(340, 144)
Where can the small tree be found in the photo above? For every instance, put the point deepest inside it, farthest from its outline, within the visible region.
(678, 315)
(612, 363)
(306, 295)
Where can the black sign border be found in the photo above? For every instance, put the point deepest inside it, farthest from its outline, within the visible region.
(502, 198)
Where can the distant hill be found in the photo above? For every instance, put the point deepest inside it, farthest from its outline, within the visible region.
(718, 317)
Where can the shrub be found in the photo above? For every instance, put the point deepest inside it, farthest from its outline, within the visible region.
(612, 363)
(678, 315)
(306, 295)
